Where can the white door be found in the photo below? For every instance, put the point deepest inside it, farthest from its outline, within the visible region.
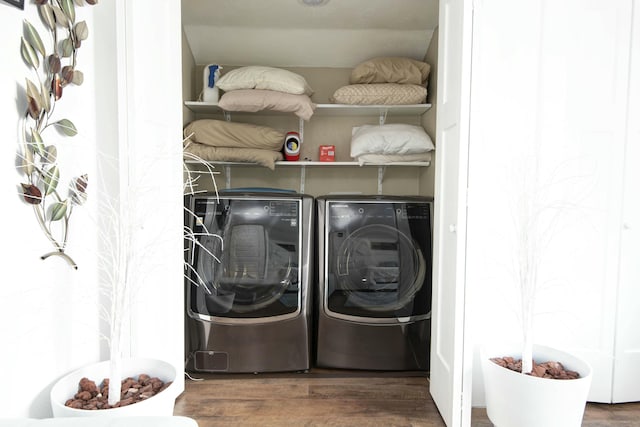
(452, 398)
(626, 369)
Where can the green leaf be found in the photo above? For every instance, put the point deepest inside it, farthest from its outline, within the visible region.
(38, 142)
(61, 18)
(50, 179)
(67, 48)
(47, 16)
(58, 211)
(69, 9)
(28, 54)
(81, 30)
(27, 160)
(66, 127)
(78, 77)
(34, 37)
(46, 98)
(51, 154)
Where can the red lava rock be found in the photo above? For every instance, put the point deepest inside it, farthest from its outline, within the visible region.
(83, 395)
(551, 369)
(87, 385)
(92, 397)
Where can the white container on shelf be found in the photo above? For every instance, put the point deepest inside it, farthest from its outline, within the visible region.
(211, 75)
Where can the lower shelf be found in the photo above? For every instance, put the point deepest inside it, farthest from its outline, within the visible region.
(304, 164)
(320, 164)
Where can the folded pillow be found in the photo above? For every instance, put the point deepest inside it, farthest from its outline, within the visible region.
(259, 77)
(380, 94)
(389, 139)
(220, 133)
(253, 100)
(391, 69)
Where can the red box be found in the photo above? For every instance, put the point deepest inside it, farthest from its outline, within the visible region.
(327, 153)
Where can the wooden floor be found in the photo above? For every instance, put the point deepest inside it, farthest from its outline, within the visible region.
(338, 398)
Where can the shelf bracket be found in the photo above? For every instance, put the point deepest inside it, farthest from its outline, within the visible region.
(381, 171)
(383, 117)
(303, 177)
(301, 129)
(227, 176)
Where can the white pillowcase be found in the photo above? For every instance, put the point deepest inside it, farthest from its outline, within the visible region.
(260, 77)
(389, 139)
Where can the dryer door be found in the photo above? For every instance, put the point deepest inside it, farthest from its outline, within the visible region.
(246, 262)
(379, 261)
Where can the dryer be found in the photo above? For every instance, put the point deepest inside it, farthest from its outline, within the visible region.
(248, 295)
(374, 282)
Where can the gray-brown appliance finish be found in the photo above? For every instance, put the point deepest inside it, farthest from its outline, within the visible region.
(251, 311)
(374, 282)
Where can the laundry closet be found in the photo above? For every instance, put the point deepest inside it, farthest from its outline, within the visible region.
(525, 86)
(361, 263)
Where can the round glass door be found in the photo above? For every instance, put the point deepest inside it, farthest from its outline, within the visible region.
(379, 268)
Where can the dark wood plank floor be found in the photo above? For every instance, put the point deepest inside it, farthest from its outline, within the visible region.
(338, 398)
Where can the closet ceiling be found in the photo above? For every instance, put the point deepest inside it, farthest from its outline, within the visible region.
(286, 33)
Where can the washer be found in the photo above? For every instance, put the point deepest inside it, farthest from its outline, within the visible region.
(248, 294)
(374, 282)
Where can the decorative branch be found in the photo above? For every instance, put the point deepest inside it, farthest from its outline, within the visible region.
(39, 162)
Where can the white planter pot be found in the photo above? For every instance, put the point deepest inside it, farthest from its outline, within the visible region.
(161, 404)
(516, 400)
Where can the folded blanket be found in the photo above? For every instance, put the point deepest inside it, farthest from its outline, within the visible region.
(267, 158)
(220, 133)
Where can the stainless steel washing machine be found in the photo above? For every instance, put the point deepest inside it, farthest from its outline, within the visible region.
(374, 282)
(248, 295)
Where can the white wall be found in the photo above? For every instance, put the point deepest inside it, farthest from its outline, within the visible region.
(48, 312)
(47, 325)
(549, 78)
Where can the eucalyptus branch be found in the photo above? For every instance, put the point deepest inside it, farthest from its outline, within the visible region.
(39, 161)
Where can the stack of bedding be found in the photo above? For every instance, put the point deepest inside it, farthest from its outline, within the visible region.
(390, 143)
(218, 140)
(385, 81)
(257, 88)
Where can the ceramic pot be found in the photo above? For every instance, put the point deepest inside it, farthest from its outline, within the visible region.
(161, 404)
(517, 400)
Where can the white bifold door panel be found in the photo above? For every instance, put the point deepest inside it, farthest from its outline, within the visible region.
(446, 377)
(626, 370)
(555, 85)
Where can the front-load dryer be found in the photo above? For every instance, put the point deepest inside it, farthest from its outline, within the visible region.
(248, 295)
(374, 282)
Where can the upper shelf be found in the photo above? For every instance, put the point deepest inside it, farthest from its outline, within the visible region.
(324, 109)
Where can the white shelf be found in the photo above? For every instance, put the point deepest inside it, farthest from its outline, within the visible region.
(327, 110)
(319, 164)
(323, 109)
